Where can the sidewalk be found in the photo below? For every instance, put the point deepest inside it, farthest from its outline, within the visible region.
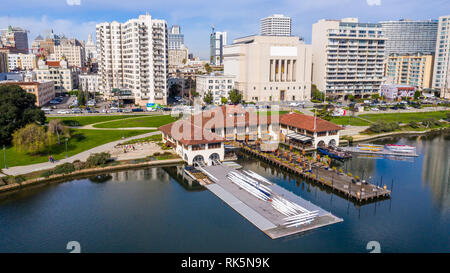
(108, 147)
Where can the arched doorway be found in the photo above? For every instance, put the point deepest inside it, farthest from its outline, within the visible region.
(214, 157)
(332, 142)
(198, 159)
(321, 144)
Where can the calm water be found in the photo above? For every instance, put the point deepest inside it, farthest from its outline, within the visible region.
(154, 210)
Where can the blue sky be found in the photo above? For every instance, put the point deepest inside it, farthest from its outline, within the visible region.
(77, 18)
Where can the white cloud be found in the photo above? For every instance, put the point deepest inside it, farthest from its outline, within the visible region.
(373, 2)
(73, 2)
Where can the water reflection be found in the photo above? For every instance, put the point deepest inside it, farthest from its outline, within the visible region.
(436, 168)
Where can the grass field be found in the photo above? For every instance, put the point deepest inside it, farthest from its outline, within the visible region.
(400, 117)
(405, 117)
(80, 141)
(86, 120)
(348, 120)
(150, 121)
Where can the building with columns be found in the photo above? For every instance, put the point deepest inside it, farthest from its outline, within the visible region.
(270, 68)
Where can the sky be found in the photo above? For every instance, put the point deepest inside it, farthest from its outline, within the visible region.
(77, 18)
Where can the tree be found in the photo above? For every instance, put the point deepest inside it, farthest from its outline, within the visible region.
(375, 96)
(224, 100)
(17, 109)
(417, 94)
(31, 139)
(316, 94)
(208, 97)
(81, 97)
(234, 96)
(174, 90)
(57, 127)
(208, 68)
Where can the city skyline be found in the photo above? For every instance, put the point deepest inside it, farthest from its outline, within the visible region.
(77, 18)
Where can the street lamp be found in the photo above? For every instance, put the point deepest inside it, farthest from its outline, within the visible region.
(4, 156)
(66, 148)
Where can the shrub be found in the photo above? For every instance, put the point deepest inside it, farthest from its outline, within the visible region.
(47, 173)
(64, 168)
(7, 179)
(98, 159)
(19, 179)
(383, 126)
(430, 122)
(79, 165)
(413, 124)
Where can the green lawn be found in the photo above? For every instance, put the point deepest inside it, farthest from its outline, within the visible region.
(405, 117)
(149, 121)
(86, 120)
(80, 141)
(348, 120)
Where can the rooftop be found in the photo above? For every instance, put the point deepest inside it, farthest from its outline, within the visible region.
(307, 122)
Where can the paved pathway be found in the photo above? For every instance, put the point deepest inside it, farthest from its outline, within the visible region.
(81, 156)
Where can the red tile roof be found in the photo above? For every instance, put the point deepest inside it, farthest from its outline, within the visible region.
(53, 63)
(307, 122)
(188, 133)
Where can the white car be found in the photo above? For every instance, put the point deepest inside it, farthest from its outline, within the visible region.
(293, 104)
(375, 109)
(63, 112)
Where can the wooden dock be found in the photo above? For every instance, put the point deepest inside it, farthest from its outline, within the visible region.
(318, 172)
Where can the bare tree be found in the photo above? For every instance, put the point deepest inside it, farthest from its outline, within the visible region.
(57, 127)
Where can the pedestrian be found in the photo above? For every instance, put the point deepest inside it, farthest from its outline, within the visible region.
(50, 158)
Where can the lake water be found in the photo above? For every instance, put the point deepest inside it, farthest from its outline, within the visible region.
(155, 210)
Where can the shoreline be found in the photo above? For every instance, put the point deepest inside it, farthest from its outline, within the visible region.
(59, 178)
(398, 133)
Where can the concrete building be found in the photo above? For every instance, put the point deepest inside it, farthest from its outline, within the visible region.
(276, 25)
(15, 37)
(133, 56)
(441, 70)
(348, 57)
(175, 38)
(217, 41)
(63, 76)
(21, 61)
(90, 50)
(410, 69)
(44, 91)
(219, 85)
(397, 91)
(410, 36)
(270, 68)
(72, 50)
(89, 82)
(43, 47)
(178, 57)
(3, 62)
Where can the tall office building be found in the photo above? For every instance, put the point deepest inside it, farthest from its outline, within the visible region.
(441, 71)
(348, 57)
(270, 68)
(408, 36)
(90, 49)
(15, 37)
(217, 41)
(176, 39)
(133, 57)
(73, 50)
(276, 25)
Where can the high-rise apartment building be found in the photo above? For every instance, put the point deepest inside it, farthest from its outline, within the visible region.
(348, 57)
(217, 41)
(270, 68)
(72, 50)
(441, 71)
(410, 69)
(15, 37)
(175, 38)
(133, 57)
(409, 37)
(276, 25)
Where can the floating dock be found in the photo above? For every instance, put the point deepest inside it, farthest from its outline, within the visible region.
(383, 152)
(338, 182)
(259, 212)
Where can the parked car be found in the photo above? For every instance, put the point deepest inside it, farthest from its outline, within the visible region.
(137, 110)
(63, 112)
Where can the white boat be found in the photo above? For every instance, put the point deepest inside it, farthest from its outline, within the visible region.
(400, 148)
